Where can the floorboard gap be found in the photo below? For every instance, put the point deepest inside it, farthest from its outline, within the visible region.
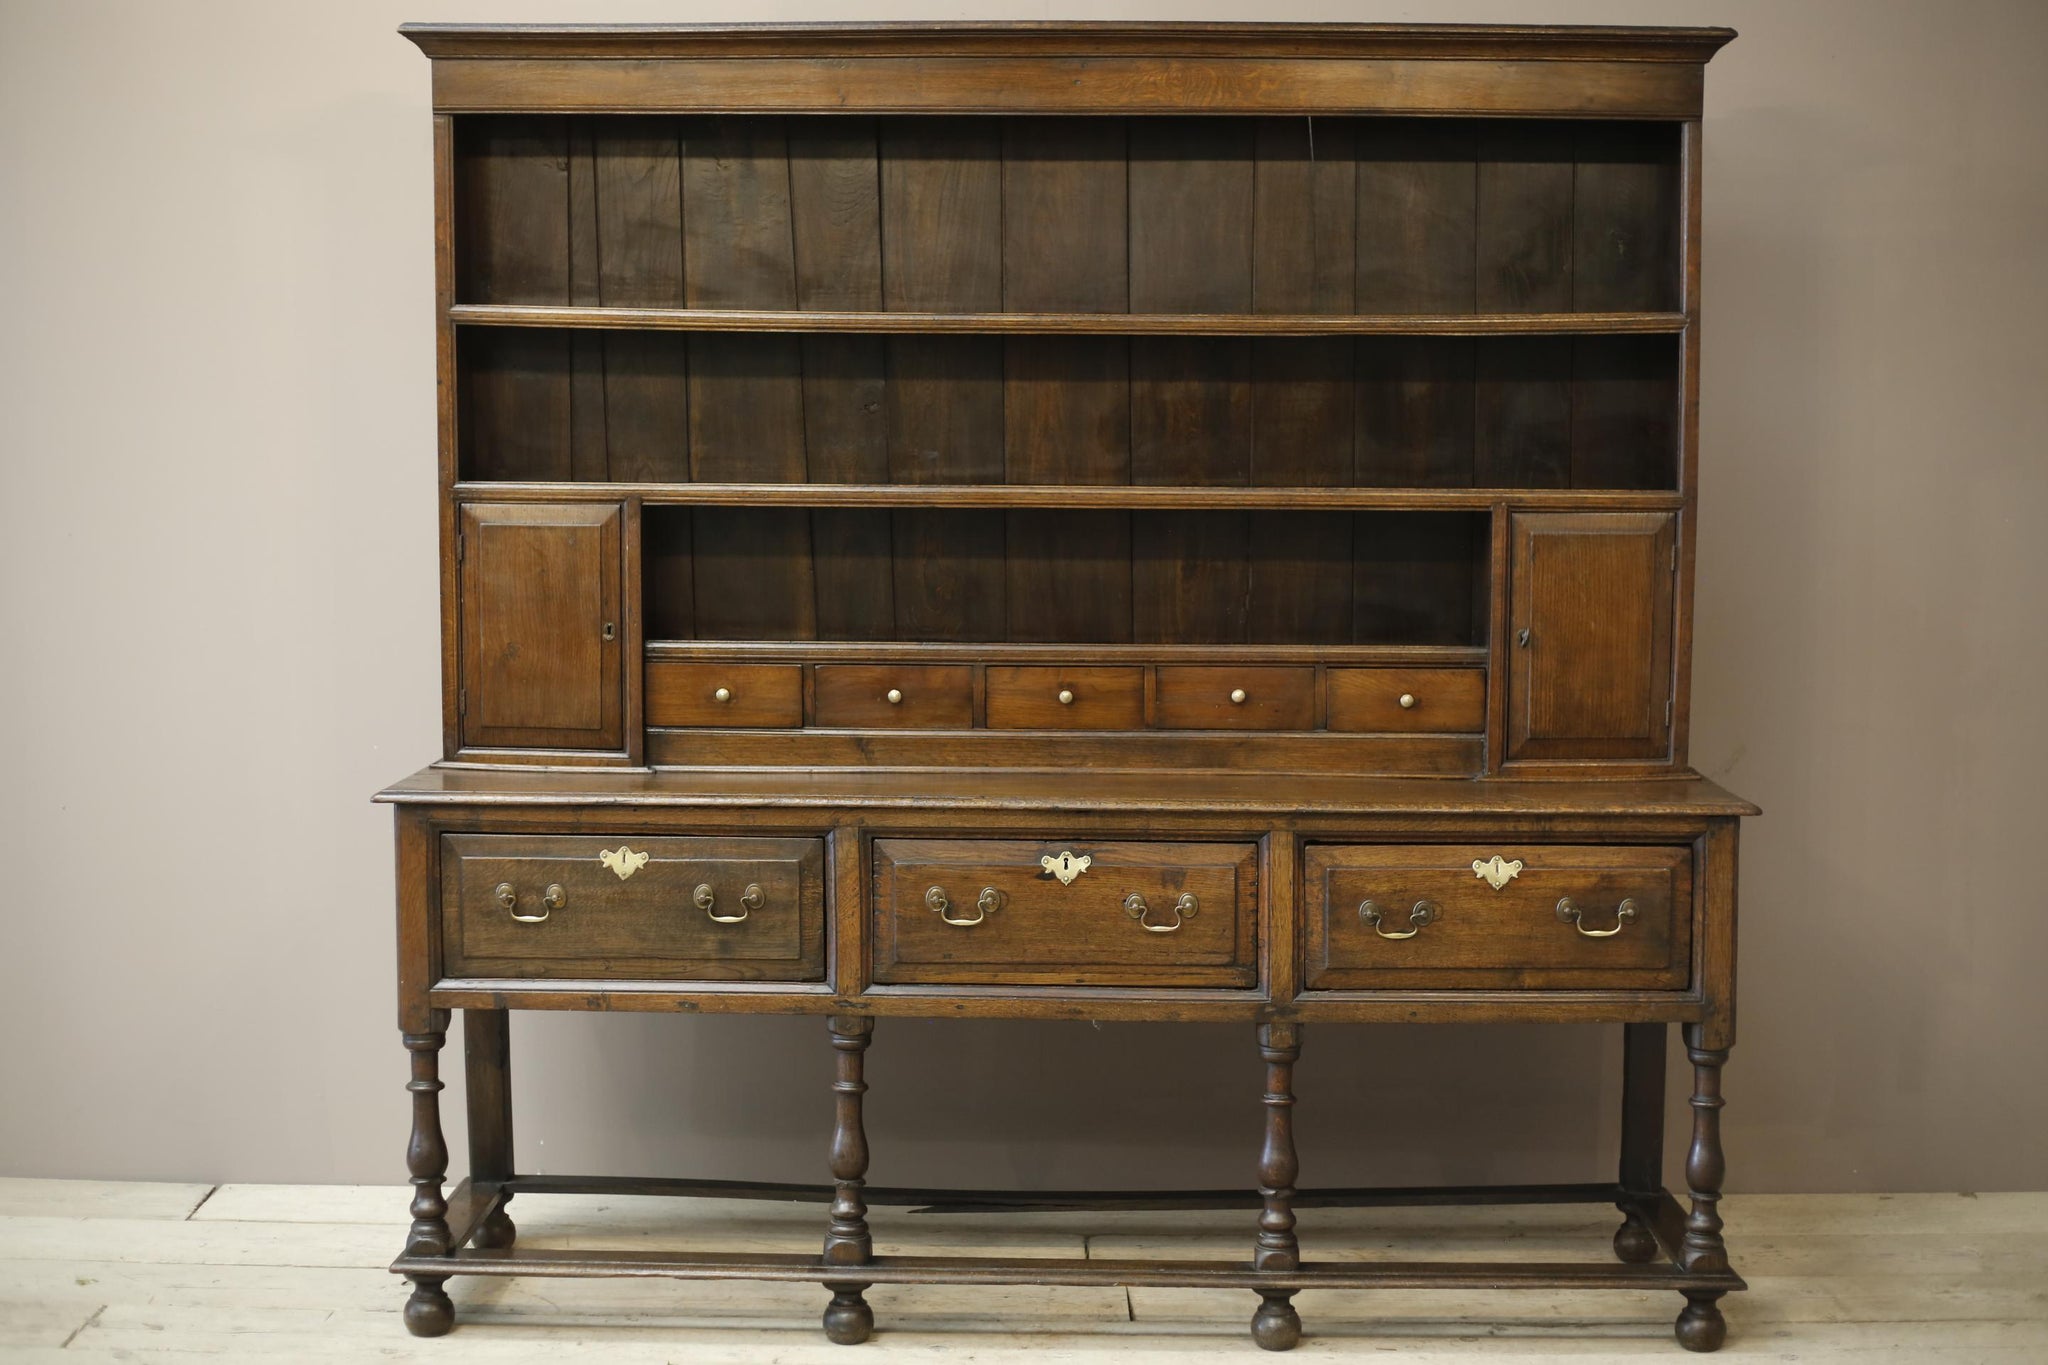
(211, 1191)
(82, 1326)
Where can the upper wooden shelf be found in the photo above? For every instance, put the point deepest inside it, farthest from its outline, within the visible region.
(1111, 324)
(1073, 497)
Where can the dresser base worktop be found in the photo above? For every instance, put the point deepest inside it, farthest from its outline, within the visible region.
(1275, 901)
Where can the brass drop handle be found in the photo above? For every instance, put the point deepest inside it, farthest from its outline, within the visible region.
(987, 903)
(707, 900)
(552, 899)
(1184, 909)
(1422, 916)
(1567, 913)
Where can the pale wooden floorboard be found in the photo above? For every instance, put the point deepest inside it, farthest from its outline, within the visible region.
(26, 1198)
(163, 1273)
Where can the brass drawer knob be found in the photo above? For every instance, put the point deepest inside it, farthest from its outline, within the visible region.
(722, 695)
(1066, 696)
(1184, 909)
(552, 899)
(894, 696)
(1422, 916)
(1567, 913)
(1238, 696)
(987, 903)
(706, 900)
(1407, 701)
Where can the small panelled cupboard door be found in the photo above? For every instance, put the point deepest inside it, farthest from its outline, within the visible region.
(1590, 636)
(542, 637)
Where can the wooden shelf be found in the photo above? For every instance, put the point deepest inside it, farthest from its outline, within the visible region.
(1068, 324)
(998, 652)
(1068, 497)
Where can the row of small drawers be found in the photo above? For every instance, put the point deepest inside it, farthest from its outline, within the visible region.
(1020, 913)
(1081, 697)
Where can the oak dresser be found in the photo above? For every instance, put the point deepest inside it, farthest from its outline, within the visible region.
(1068, 521)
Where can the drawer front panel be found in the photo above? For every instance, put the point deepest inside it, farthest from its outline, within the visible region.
(990, 912)
(1038, 698)
(1457, 930)
(895, 696)
(1195, 697)
(552, 906)
(746, 696)
(1442, 701)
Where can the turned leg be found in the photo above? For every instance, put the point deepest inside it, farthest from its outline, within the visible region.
(1276, 1326)
(486, 1054)
(1642, 1135)
(428, 1313)
(848, 1319)
(1701, 1327)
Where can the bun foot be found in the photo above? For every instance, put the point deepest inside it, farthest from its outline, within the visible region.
(848, 1319)
(429, 1312)
(496, 1232)
(1701, 1326)
(1276, 1326)
(1634, 1243)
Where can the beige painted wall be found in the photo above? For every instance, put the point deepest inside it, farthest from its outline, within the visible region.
(216, 571)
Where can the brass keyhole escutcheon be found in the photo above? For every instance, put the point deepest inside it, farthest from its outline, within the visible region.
(1066, 866)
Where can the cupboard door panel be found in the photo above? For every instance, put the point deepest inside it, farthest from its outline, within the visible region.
(542, 631)
(1591, 642)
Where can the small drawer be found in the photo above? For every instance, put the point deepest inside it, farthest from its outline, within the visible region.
(1066, 698)
(738, 695)
(895, 696)
(996, 912)
(1226, 698)
(1442, 701)
(557, 906)
(1428, 917)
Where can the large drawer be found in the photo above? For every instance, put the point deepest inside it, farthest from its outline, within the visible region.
(694, 909)
(1431, 916)
(997, 912)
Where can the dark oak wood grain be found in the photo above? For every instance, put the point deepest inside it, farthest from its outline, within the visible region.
(1068, 522)
(1438, 700)
(542, 652)
(1473, 934)
(1592, 621)
(988, 912)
